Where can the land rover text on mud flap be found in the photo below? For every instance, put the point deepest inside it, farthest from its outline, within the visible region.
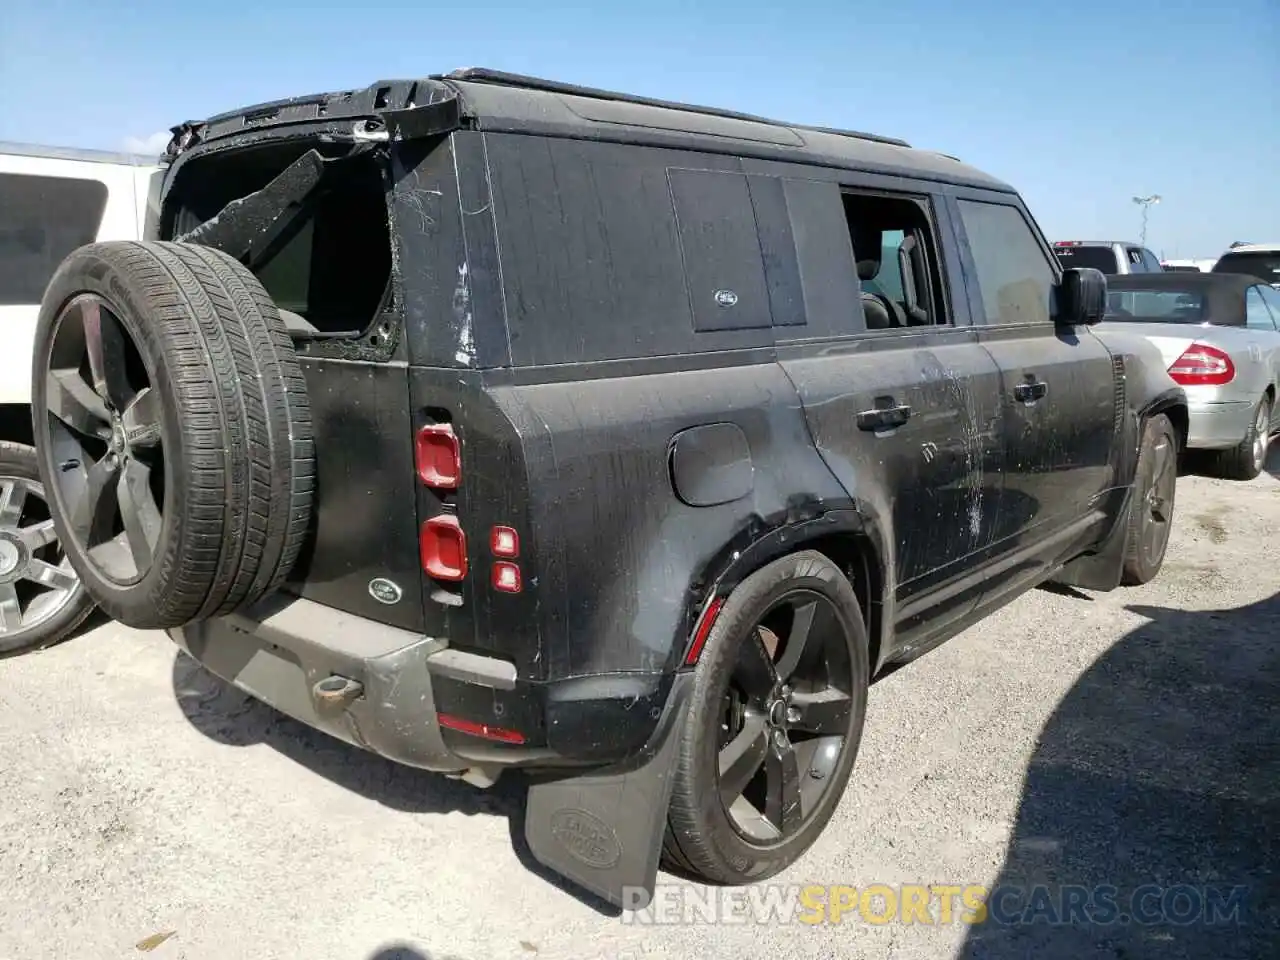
(489, 422)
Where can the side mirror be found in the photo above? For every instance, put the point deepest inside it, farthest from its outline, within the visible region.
(1082, 297)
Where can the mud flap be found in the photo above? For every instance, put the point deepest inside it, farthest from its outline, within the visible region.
(603, 830)
(1104, 568)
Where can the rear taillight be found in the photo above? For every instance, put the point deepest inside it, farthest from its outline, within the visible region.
(506, 577)
(444, 548)
(1204, 366)
(504, 542)
(438, 456)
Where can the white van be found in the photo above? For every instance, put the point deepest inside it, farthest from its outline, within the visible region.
(52, 200)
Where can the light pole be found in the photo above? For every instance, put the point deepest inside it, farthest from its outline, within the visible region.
(1145, 203)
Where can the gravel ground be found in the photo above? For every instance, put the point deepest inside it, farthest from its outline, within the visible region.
(1128, 738)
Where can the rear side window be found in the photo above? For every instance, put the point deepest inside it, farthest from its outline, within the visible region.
(1097, 258)
(42, 219)
(612, 251)
(1271, 296)
(1257, 314)
(1014, 276)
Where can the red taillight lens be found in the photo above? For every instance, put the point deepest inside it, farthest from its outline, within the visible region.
(506, 577)
(504, 542)
(1202, 365)
(444, 548)
(463, 725)
(438, 456)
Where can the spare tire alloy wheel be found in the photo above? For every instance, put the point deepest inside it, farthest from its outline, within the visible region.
(106, 440)
(173, 431)
(41, 599)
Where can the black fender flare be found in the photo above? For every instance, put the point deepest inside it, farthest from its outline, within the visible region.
(1163, 402)
(738, 560)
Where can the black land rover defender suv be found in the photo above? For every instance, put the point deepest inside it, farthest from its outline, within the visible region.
(487, 422)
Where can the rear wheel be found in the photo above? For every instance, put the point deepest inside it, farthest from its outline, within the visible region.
(1246, 461)
(779, 700)
(173, 431)
(1151, 513)
(41, 598)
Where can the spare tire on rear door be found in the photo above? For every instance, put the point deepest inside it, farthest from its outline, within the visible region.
(173, 431)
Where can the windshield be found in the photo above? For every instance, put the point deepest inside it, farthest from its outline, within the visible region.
(1099, 258)
(1156, 306)
(1264, 266)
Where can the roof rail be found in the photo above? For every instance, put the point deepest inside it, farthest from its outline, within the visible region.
(501, 78)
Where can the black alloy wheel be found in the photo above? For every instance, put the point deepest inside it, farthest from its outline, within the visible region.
(105, 434)
(787, 718)
(777, 709)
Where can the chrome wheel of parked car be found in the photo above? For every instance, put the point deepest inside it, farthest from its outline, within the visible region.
(780, 696)
(1248, 458)
(41, 598)
(1261, 436)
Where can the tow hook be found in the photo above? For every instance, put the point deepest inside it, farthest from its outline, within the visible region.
(336, 692)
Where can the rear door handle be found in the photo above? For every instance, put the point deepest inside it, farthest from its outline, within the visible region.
(1031, 391)
(884, 418)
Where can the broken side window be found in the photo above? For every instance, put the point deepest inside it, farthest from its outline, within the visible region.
(896, 259)
(313, 228)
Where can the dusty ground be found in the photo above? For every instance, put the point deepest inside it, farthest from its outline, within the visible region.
(1121, 739)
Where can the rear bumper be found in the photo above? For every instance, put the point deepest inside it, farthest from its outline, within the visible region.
(282, 648)
(1218, 425)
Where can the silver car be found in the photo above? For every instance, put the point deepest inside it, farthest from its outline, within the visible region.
(1219, 336)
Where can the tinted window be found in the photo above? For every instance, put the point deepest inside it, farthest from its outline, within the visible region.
(1264, 266)
(1014, 276)
(1257, 315)
(42, 219)
(1150, 263)
(1155, 306)
(1098, 258)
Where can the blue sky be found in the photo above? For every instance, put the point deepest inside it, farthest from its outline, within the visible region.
(1081, 105)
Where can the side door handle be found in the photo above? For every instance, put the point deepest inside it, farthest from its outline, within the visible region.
(1031, 391)
(884, 416)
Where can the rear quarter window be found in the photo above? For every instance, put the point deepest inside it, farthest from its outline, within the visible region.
(611, 251)
(42, 219)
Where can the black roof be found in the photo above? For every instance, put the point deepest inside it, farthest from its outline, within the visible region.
(492, 100)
